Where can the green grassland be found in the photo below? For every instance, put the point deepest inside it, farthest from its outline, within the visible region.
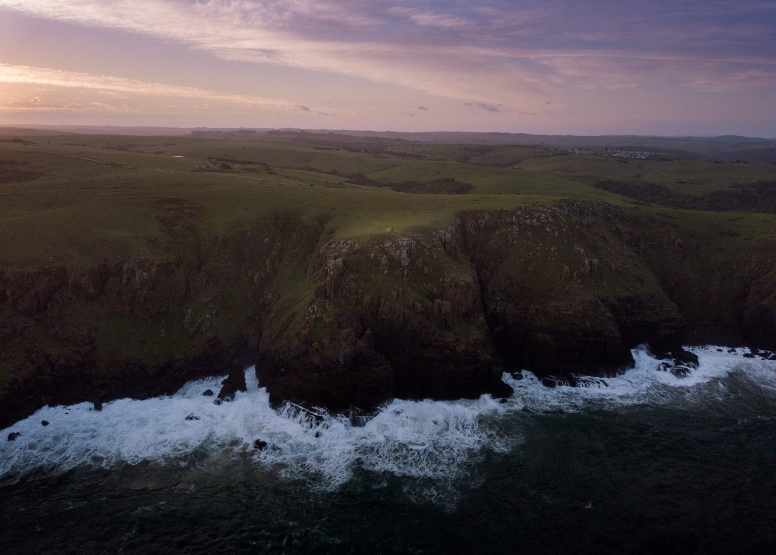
(84, 198)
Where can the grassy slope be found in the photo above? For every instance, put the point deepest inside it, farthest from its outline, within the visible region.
(83, 211)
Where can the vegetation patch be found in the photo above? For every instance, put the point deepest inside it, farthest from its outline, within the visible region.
(15, 172)
(754, 197)
(443, 186)
(18, 141)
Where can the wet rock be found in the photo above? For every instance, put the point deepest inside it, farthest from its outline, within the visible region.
(98, 405)
(259, 445)
(44, 423)
(748, 355)
(678, 370)
(13, 435)
(208, 393)
(680, 363)
(685, 357)
(192, 417)
(233, 383)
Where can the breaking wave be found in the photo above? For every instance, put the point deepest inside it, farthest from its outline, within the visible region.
(428, 441)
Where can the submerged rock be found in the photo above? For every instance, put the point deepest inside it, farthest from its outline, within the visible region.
(192, 417)
(44, 423)
(259, 445)
(13, 435)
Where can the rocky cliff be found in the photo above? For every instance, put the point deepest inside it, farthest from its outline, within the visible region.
(347, 325)
(563, 294)
(139, 328)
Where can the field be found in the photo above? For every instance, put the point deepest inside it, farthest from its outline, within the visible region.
(80, 199)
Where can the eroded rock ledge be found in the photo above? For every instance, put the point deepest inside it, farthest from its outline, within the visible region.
(561, 290)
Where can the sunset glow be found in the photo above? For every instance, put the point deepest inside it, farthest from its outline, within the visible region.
(540, 67)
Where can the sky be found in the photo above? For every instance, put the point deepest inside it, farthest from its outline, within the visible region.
(657, 67)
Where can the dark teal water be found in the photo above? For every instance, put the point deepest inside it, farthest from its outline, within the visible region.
(643, 463)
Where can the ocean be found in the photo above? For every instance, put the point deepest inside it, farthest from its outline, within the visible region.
(646, 462)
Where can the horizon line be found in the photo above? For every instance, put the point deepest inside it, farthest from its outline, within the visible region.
(40, 126)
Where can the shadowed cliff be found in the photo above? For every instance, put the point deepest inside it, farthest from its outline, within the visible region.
(560, 290)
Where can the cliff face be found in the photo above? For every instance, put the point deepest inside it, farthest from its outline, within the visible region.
(560, 290)
(139, 328)
(759, 315)
(399, 318)
(563, 294)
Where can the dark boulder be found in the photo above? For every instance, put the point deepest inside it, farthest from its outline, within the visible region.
(259, 445)
(97, 405)
(13, 435)
(679, 362)
(44, 423)
(233, 383)
(685, 357)
(208, 393)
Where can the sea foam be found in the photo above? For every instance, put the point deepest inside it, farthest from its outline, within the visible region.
(423, 440)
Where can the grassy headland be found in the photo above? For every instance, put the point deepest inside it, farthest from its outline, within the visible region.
(121, 252)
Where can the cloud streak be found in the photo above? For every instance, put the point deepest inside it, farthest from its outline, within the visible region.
(56, 79)
(511, 57)
(490, 52)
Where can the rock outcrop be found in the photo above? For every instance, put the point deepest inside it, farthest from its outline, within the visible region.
(563, 295)
(399, 318)
(233, 383)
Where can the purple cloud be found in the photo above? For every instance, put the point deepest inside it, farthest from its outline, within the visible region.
(502, 56)
(509, 48)
(487, 107)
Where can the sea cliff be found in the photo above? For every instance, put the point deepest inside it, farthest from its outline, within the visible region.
(347, 324)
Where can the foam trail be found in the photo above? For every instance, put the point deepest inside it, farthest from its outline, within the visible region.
(646, 383)
(423, 440)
